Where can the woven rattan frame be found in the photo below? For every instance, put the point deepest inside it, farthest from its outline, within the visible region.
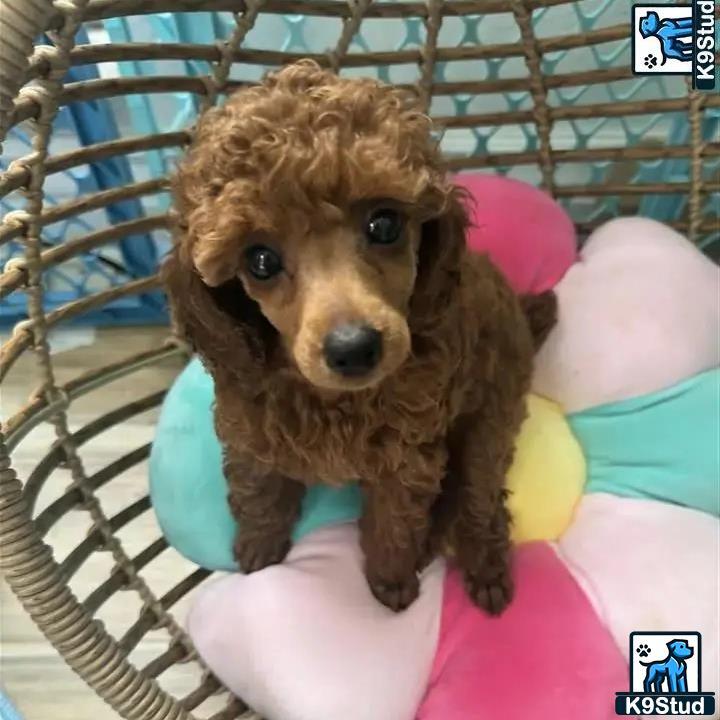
(31, 88)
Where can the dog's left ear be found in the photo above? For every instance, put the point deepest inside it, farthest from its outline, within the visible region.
(442, 246)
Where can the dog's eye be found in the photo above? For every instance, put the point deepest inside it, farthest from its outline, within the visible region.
(384, 226)
(262, 262)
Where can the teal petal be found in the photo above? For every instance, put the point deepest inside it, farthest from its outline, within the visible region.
(188, 488)
(663, 446)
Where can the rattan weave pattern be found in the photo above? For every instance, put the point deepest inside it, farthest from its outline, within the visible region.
(32, 90)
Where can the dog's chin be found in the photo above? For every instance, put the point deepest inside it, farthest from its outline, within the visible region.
(336, 384)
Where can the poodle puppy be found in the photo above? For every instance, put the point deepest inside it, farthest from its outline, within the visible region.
(321, 273)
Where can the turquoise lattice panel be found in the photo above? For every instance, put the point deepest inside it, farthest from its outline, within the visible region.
(648, 129)
(94, 271)
(101, 268)
(481, 95)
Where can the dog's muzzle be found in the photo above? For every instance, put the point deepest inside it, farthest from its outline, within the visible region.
(353, 350)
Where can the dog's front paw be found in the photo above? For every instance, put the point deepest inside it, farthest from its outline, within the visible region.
(255, 551)
(490, 593)
(396, 594)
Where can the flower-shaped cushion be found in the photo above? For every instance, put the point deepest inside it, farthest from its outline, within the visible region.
(305, 640)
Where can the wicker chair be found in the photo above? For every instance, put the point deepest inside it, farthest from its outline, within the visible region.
(545, 81)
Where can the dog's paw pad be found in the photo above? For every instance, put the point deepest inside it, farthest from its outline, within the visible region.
(643, 650)
(493, 596)
(650, 61)
(396, 595)
(254, 553)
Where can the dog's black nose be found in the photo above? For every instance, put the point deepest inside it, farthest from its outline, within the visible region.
(353, 350)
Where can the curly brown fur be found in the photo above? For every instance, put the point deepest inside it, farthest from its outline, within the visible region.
(297, 163)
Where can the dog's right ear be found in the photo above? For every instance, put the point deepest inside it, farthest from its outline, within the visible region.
(222, 324)
(442, 247)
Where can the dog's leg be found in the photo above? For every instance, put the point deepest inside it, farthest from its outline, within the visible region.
(393, 535)
(266, 507)
(647, 683)
(481, 451)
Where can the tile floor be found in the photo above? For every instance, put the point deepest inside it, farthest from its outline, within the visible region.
(31, 672)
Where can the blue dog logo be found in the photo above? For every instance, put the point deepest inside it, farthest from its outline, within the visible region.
(665, 676)
(671, 672)
(674, 34)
